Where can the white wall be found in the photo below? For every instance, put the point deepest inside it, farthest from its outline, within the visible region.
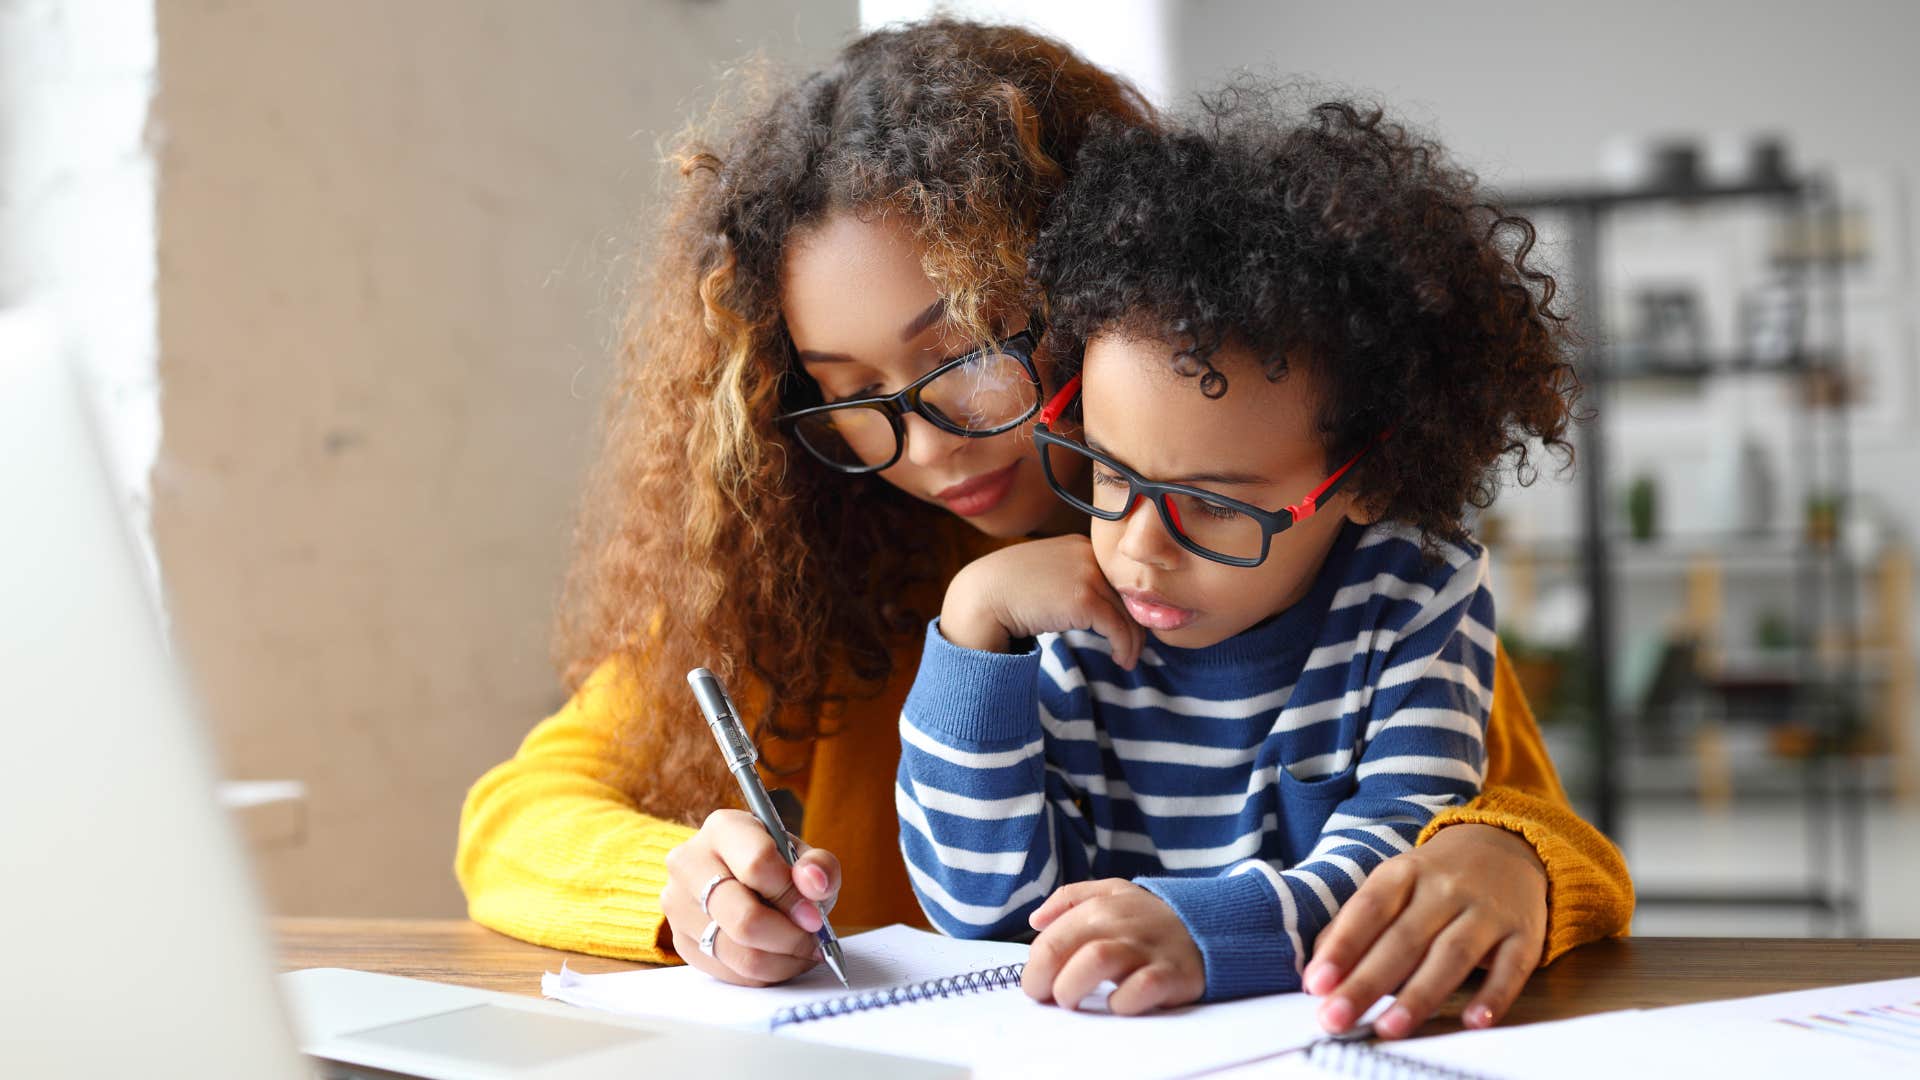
(1529, 91)
(77, 205)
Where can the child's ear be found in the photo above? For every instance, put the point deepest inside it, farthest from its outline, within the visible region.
(1362, 512)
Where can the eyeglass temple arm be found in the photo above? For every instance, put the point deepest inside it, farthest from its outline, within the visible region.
(1059, 402)
(1305, 507)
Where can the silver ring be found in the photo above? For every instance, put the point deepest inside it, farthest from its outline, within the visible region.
(708, 937)
(706, 891)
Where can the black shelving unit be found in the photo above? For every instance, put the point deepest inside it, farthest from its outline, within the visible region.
(1825, 583)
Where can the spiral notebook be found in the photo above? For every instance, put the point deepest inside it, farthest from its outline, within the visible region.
(917, 994)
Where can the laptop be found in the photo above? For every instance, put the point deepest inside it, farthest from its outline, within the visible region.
(133, 939)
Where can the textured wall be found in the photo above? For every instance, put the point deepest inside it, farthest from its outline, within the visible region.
(390, 258)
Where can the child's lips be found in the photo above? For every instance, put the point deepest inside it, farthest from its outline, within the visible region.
(1152, 611)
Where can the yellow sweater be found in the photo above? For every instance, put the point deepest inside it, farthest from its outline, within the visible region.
(553, 852)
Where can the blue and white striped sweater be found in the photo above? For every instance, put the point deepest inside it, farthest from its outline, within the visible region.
(1252, 785)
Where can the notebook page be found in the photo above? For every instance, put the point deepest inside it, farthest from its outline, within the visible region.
(1582, 1048)
(1006, 1034)
(1857, 1031)
(1559, 1049)
(1647, 1043)
(875, 960)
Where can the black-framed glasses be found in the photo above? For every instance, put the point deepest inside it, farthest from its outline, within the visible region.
(1208, 524)
(988, 391)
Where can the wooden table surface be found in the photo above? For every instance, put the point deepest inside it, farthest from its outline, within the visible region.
(1630, 973)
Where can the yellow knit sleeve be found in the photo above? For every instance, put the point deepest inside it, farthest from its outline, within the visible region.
(553, 853)
(1589, 894)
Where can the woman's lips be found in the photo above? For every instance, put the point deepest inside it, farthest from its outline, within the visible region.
(971, 498)
(1152, 611)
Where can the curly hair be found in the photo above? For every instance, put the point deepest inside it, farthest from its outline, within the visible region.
(1340, 241)
(704, 538)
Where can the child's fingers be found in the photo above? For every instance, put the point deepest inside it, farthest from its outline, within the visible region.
(1136, 641)
(1056, 945)
(1136, 634)
(1449, 960)
(1145, 990)
(1058, 903)
(1388, 962)
(1359, 923)
(1096, 960)
(1128, 637)
(1513, 961)
(1049, 910)
(1067, 897)
(1108, 618)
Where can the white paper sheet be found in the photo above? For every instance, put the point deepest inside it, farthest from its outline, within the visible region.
(996, 1033)
(1865, 1030)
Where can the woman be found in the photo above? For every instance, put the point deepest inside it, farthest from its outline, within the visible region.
(865, 230)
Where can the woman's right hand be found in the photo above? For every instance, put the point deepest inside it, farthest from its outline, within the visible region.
(767, 912)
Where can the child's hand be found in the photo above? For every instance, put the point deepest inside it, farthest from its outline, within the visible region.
(1112, 929)
(1037, 588)
(1474, 895)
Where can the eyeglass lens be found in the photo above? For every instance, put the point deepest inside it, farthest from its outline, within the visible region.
(988, 393)
(1213, 525)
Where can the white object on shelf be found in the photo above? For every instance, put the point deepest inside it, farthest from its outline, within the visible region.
(270, 813)
(1740, 486)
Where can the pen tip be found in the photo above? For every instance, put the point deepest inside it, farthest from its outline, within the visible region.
(836, 963)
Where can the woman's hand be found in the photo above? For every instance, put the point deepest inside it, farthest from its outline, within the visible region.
(1036, 588)
(767, 912)
(1473, 895)
(1112, 929)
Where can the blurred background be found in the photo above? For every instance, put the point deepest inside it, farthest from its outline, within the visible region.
(347, 277)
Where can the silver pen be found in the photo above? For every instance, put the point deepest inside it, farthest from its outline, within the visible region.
(717, 707)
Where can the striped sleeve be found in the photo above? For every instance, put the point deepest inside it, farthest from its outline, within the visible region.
(988, 826)
(1421, 721)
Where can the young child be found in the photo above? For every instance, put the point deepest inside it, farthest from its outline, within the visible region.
(1298, 349)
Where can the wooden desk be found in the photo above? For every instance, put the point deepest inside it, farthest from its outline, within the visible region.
(443, 950)
(1634, 973)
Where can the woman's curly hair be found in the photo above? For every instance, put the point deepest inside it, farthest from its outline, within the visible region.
(1332, 238)
(705, 538)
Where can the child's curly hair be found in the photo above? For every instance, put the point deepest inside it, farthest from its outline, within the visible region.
(1341, 241)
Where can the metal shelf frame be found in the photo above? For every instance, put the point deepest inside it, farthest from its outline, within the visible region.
(1832, 791)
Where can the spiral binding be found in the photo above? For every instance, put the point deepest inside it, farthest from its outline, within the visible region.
(1350, 1058)
(973, 982)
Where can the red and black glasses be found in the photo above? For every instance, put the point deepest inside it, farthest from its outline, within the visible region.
(1208, 524)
